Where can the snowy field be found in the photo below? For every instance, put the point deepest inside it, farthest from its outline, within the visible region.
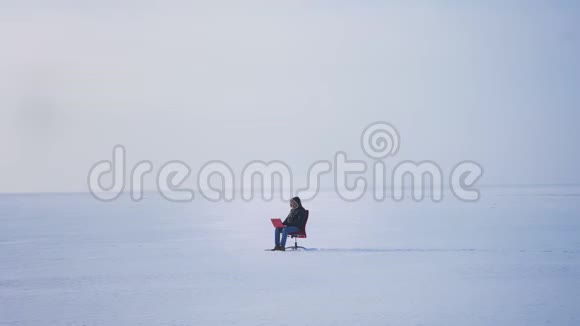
(511, 259)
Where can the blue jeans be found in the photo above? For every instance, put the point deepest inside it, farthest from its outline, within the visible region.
(284, 232)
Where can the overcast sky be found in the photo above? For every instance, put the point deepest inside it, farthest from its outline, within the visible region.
(295, 81)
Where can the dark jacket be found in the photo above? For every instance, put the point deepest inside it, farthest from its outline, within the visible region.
(297, 216)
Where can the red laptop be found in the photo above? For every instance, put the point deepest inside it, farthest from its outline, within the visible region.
(277, 223)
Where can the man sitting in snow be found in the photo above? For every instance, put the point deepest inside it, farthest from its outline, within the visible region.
(294, 222)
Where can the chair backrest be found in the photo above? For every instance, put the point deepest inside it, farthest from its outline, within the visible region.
(301, 233)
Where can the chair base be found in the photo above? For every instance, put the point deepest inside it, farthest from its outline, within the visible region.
(295, 248)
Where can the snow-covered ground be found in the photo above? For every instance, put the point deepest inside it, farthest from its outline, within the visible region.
(511, 259)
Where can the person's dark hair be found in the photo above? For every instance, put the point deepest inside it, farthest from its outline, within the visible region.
(298, 201)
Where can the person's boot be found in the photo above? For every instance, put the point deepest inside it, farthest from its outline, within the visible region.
(275, 248)
(280, 248)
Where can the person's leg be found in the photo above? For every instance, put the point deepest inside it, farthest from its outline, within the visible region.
(285, 231)
(277, 232)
